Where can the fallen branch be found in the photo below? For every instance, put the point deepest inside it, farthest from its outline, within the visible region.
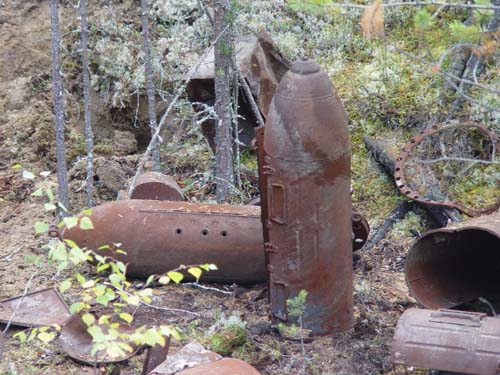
(441, 215)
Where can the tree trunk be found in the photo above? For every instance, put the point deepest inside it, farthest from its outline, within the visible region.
(62, 173)
(89, 136)
(149, 82)
(224, 172)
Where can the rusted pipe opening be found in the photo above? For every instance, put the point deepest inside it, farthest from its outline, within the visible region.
(448, 268)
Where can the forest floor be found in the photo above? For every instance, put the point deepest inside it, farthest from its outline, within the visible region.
(380, 291)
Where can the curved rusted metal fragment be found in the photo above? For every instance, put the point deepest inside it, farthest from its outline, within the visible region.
(448, 340)
(157, 186)
(158, 236)
(78, 343)
(307, 166)
(228, 366)
(400, 170)
(450, 266)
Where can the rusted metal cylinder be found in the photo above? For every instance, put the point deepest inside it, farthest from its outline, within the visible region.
(307, 166)
(360, 229)
(158, 236)
(450, 266)
(448, 340)
(157, 186)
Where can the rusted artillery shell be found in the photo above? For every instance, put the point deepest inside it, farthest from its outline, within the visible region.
(460, 263)
(448, 340)
(307, 166)
(229, 366)
(158, 236)
(157, 186)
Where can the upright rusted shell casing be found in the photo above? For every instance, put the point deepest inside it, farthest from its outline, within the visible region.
(157, 186)
(450, 266)
(158, 236)
(307, 164)
(448, 340)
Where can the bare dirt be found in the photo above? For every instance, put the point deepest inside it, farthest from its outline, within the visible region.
(26, 139)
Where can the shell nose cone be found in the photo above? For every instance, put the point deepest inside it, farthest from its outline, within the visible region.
(305, 66)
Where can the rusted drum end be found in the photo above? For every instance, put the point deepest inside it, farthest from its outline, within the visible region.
(157, 186)
(451, 266)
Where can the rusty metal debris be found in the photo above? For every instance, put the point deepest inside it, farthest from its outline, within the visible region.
(400, 170)
(448, 340)
(158, 236)
(1, 346)
(260, 63)
(157, 186)
(155, 356)
(360, 230)
(191, 355)
(228, 366)
(41, 308)
(307, 168)
(77, 343)
(457, 264)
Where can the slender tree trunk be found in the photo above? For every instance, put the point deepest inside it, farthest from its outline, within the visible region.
(89, 136)
(149, 82)
(224, 172)
(62, 174)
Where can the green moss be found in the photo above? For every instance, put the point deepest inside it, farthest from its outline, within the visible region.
(227, 340)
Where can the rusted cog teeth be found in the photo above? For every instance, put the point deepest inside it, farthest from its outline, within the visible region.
(400, 167)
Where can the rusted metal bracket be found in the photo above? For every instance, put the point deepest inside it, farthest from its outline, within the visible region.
(400, 168)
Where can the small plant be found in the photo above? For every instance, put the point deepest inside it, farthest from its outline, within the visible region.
(227, 334)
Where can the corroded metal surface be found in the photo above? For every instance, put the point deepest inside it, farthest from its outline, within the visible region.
(360, 230)
(229, 366)
(41, 308)
(158, 236)
(309, 207)
(400, 170)
(448, 340)
(193, 354)
(157, 186)
(155, 356)
(77, 343)
(460, 263)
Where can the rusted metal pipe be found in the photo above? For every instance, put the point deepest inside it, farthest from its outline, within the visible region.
(158, 236)
(307, 167)
(450, 266)
(448, 340)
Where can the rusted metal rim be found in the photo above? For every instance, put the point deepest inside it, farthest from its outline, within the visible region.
(77, 343)
(450, 266)
(400, 168)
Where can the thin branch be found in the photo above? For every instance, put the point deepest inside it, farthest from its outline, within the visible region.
(201, 286)
(179, 93)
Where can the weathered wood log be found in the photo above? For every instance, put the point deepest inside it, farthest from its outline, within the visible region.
(440, 215)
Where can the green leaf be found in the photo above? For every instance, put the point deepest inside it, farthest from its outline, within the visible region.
(133, 300)
(41, 227)
(28, 175)
(59, 253)
(88, 284)
(51, 197)
(46, 336)
(126, 317)
(70, 221)
(21, 336)
(150, 280)
(87, 212)
(38, 192)
(49, 207)
(77, 256)
(16, 166)
(175, 276)
(77, 307)
(164, 280)
(86, 223)
(80, 278)
(121, 266)
(65, 285)
(88, 319)
(70, 243)
(115, 279)
(103, 247)
(96, 333)
(195, 271)
(102, 267)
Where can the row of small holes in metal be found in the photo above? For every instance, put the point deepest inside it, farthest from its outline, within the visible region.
(204, 232)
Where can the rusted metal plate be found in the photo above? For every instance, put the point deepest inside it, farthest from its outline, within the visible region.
(360, 230)
(157, 186)
(307, 166)
(229, 366)
(158, 236)
(77, 343)
(155, 356)
(400, 169)
(448, 340)
(41, 308)
(191, 355)
(450, 266)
